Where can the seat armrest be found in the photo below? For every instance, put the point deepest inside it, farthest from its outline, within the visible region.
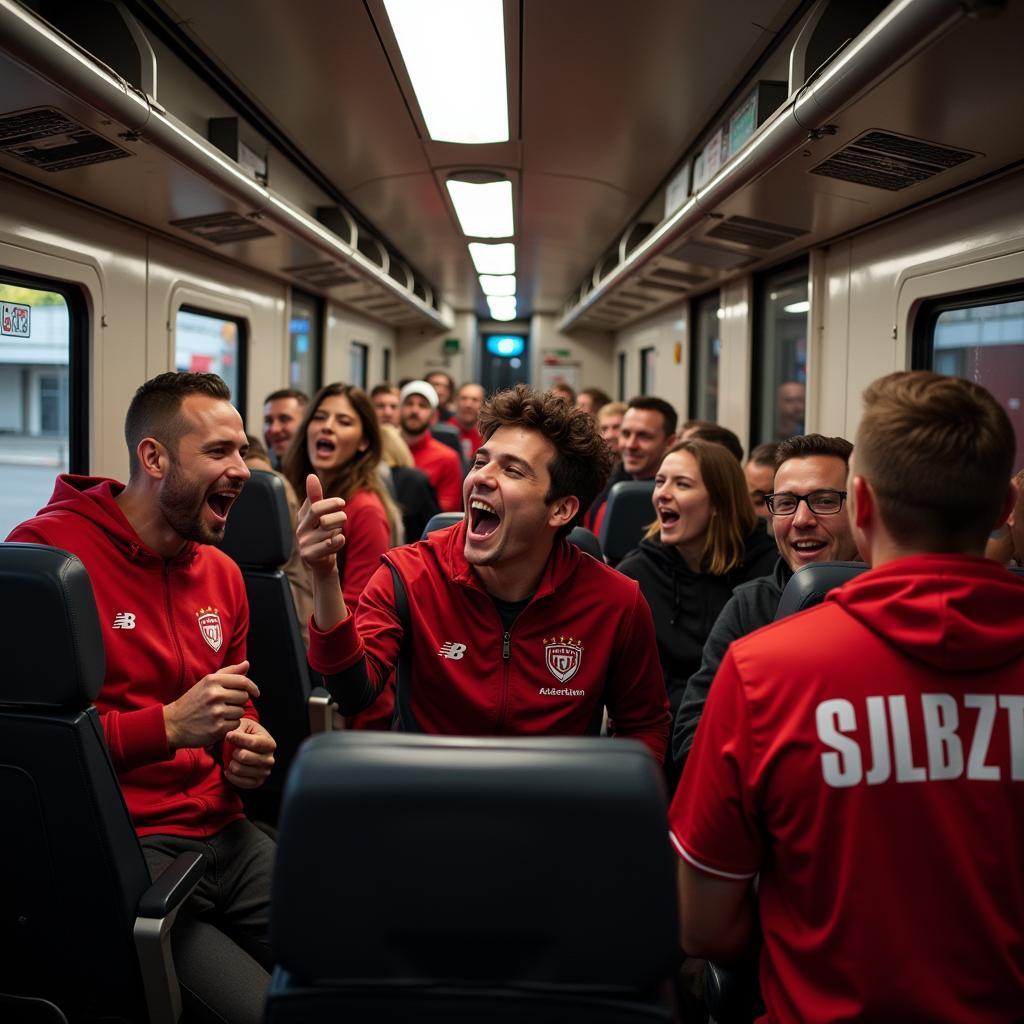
(321, 710)
(176, 881)
(157, 910)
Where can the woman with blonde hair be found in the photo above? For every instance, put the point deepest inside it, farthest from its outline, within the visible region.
(705, 540)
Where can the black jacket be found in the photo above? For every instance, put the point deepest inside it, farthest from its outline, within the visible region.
(751, 606)
(686, 604)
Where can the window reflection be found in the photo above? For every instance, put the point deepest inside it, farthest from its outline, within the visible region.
(207, 343)
(782, 373)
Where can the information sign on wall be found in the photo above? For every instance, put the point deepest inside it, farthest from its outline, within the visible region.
(15, 320)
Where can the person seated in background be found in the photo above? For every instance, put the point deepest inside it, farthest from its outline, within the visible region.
(647, 431)
(176, 702)
(298, 576)
(760, 473)
(467, 412)
(384, 398)
(441, 463)
(704, 541)
(339, 441)
(506, 627)
(810, 525)
(444, 387)
(591, 399)
(790, 402)
(705, 430)
(564, 391)
(609, 420)
(410, 486)
(864, 759)
(282, 411)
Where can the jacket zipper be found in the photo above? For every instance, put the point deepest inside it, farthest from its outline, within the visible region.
(193, 757)
(506, 657)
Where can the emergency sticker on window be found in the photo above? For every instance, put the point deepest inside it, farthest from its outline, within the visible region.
(15, 320)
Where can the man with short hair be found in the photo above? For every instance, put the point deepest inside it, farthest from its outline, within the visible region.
(648, 430)
(591, 399)
(385, 403)
(417, 405)
(468, 402)
(176, 703)
(760, 474)
(507, 628)
(609, 420)
(809, 465)
(282, 413)
(444, 386)
(790, 402)
(705, 430)
(865, 758)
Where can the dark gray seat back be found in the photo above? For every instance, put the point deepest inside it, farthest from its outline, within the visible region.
(810, 583)
(627, 514)
(441, 522)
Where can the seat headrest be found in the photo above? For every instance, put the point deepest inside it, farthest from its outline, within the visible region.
(810, 583)
(53, 651)
(441, 521)
(585, 541)
(628, 511)
(533, 860)
(259, 533)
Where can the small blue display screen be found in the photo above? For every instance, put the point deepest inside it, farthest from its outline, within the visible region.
(505, 345)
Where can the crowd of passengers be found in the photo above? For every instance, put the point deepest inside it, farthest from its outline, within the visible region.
(792, 812)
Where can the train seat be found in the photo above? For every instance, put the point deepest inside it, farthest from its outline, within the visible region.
(449, 435)
(441, 522)
(810, 583)
(259, 538)
(450, 879)
(81, 923)
(628, 512)
(585, 540)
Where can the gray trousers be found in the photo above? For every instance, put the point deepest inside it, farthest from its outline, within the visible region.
(221, 938)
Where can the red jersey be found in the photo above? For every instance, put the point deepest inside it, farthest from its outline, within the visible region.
(443, 468)
(469, 437)
(867, 759)
(364, 544)
(585, 641)
(166, 623)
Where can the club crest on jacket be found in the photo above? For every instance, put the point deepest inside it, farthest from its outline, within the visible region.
(563, 656)
(209, 624)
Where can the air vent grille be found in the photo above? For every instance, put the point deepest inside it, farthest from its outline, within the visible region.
(893, 162)
(758, 234)
(322, 275)
(710, 256)
(221, 228)
(49, 139)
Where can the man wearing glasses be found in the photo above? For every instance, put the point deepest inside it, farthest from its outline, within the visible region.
(809, 519)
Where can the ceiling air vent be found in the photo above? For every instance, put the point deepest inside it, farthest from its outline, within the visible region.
(321, 275)
(221, 228)
(758, 234)
(710, 256)
(893, 162)
(52, 141)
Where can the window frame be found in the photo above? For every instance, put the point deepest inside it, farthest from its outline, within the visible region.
(364, 348)
(240, 395)
(622, 376)
(696, 411)
(644, 382)
(79, 364)
(316, 338)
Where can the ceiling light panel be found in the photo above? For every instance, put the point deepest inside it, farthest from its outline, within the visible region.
(484, 210)
(454, 52)
(493, 257)
(503, 307)
(493, 284)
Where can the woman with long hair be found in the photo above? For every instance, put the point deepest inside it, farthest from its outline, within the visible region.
(339, 441)
(706, 540)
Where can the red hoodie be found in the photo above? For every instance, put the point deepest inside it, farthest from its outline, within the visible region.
(585, 640)
(166, 623)
(867, 758)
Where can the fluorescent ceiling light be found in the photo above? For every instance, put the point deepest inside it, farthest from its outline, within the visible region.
(484, 210)
(454, 51)
(493, 258)
(495, 285)
(803, 306)
(503, 307)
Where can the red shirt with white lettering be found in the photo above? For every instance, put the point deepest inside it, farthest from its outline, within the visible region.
(866, 758)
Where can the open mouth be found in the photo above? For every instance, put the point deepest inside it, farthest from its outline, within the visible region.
(220, 503)
(809, 548)
(483, 520)
(325, 447)
(668, 517)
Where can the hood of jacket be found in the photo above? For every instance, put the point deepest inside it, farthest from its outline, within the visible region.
(955, 613)
(94, 498)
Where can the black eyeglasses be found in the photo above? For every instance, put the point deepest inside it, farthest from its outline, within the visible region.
(821, 503)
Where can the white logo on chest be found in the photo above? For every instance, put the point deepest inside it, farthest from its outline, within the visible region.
(452, 651)
(209, 626)
(124, 620)
(563, 657)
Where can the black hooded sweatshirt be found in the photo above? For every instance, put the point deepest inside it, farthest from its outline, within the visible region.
(685, 604)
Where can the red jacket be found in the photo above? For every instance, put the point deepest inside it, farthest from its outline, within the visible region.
(166, 624)
(368, 540)
(443, 468)
(586, 640)
(867, 758)
(470, 438)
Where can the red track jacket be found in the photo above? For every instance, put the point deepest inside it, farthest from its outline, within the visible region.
(586, 640)
(166, 624)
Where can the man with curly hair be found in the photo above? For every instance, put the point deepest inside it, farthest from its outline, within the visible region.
(496, 625)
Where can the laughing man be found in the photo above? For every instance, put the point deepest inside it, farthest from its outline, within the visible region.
(505, 627)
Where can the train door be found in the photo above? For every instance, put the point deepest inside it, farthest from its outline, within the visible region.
(504, 361)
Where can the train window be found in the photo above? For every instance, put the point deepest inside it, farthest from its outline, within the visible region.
(979, 336)
(210, 343)
(358, 359)
(706, 347)
(648, 357)
(43, 382)
(305, 331)
(780, 354)
(387, 365)
(622, 376)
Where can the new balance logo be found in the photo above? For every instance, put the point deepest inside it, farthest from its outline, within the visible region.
(124, 620)
(453, 652)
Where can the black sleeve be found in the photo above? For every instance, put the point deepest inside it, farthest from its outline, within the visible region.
(350, 688)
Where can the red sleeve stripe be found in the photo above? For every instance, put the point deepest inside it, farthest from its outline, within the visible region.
(690, 859)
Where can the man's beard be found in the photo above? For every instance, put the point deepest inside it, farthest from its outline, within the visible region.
(415, 431)
(181, 504)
